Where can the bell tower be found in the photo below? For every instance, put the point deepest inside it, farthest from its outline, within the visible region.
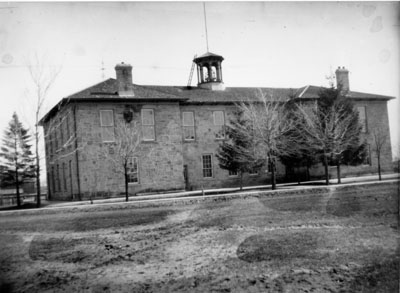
(209, 71)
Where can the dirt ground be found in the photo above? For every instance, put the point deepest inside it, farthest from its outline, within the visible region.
(241, 245)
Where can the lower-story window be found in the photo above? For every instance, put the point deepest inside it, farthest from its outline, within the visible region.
(253, 171)
(207, 166)
(233, 173)
(367, 159)
(53, 180)
(58, 178)
(133, 170)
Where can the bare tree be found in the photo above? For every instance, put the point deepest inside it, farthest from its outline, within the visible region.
(270, 129)
(121, 152)
(43, 77)
(329, 131)
(380, 138)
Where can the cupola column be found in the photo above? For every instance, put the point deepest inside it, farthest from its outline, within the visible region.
(219, 72)
(201, 74)
(209, 69)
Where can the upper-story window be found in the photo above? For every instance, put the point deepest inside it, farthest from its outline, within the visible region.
(67, 127)
(219, 122)
(188, 125)
(60, 127)
(107, 125)
(51, 143)
(362, 116)
(148, 124)
(55, 136)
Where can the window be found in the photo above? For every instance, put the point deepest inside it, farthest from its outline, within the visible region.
(107, 125)
(148, 124)
(50, 136)
(367, 159)
(207, 166)
(55, 140)
(52, 179)
(233, 173)
(253, 171)
(188, 125)
(46, 145)
(64, 176)
(60, 126)
(70, 174)
(269, 166)
(219, 122)
(67, 126)
(133, 170)
(362, 116)
(58, 178)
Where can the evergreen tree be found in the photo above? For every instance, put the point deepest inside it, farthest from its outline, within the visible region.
(17, 155)
(303, 156)
(236, 154)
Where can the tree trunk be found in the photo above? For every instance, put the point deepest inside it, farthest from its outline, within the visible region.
(241, 180)
(17, 188)
(338, 173)
(298, 175)
(126, 186)
(326, 169)
(308, 173)
(273, 176)
(379, 167)
(37, 169)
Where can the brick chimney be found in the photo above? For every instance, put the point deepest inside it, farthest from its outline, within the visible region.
(342, 79)
(124, 80)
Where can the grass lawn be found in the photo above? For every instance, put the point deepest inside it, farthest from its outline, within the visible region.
(257, 244)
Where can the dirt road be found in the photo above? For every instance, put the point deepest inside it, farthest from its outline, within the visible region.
(329, 243)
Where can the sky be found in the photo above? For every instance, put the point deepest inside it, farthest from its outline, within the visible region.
(265, 44)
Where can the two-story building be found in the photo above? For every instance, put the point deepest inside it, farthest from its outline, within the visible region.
(181, 129)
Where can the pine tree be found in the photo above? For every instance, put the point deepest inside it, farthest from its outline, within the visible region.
(236, 154)
(303, 156)
(17, 155)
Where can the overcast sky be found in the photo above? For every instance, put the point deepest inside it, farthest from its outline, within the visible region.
(280, 44)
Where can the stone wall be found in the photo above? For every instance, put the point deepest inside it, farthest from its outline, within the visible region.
(377, 119)
(160, 161)
(206, 143)
(60, 149)
(86, 171)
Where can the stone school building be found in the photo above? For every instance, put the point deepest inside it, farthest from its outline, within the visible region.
(181, 129)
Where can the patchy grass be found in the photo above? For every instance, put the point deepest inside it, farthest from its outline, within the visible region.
(269, 247)
(301, 244)
(85, 221)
